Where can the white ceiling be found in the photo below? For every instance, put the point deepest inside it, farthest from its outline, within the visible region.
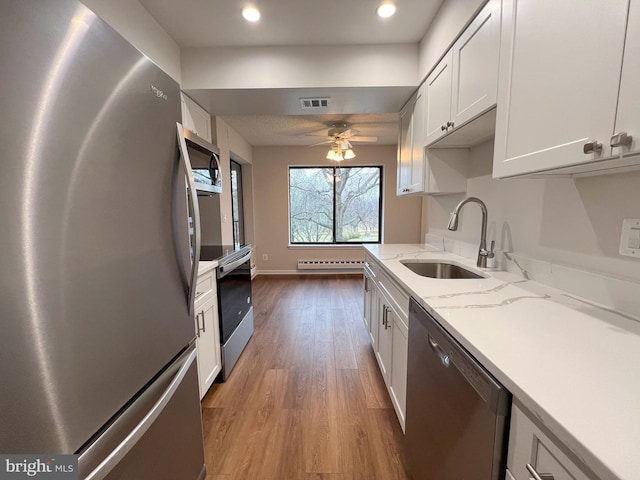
(208, 23)
(216, 23)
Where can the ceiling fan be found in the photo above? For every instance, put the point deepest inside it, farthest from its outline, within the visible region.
(340, 134)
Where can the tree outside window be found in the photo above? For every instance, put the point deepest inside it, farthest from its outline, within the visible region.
(335, 205)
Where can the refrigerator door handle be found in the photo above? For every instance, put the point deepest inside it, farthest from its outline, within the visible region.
(195, 211)
(118, 453)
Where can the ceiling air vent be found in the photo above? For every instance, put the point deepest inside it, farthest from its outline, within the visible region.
(314, 102)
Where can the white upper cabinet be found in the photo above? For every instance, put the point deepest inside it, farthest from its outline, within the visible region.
(465, 82)
(475, 66)
(410, 146)
(195, 118)
(628, 118)
(559, 74)
(437, 120)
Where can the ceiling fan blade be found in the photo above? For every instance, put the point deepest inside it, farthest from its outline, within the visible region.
(363, 139)
(322, 143)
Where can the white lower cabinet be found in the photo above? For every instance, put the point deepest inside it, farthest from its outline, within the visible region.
(209, 356)
(398, 381)
(532, 450)
(387, 306)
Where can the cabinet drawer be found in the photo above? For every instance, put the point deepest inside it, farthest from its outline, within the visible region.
(530, 445)
(205, 287)
(396, 295)
(371, 267)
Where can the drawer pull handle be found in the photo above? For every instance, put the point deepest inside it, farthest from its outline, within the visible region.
(592, 147)
(621, 139)
(538, 476)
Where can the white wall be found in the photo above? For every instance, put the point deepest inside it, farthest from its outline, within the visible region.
(270, 168)
(451, 19)
(131, 20)
(232, 145)
(299, 66)
(563, 221)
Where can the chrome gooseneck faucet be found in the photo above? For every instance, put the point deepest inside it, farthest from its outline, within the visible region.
(483, 253)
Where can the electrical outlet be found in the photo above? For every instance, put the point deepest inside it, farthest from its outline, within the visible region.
(265, 257)
(630, 237)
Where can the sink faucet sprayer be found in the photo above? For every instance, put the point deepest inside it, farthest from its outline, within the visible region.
(483, 253)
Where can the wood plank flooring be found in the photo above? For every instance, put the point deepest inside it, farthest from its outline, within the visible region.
(306, 400)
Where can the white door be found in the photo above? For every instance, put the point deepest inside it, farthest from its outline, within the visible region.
(398, 387)
(385, 333)
(438, 100)
(628, 119)
(559, 73)
(475, 66)
(208, 344)
(405, 148)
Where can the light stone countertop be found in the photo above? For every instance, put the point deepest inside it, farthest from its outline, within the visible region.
(573, 364)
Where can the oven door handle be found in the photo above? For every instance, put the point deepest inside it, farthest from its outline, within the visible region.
(229, 267)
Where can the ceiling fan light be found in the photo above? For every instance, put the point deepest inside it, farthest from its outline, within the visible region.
(331, 154)
(386, 9)
(251, 14)
(348, 155)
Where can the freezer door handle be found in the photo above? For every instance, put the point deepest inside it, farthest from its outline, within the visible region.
(195, 211)
(118, 453)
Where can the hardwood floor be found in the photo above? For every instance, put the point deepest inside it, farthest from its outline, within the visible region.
(306, 400)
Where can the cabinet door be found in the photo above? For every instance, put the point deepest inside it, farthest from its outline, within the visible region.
(398, 384)
(559, 73)
(410, 148)
(628, 119)
(529, 445)
(195, 118)
(385, 337)
(208, 343)
(374, 318)
(475, 66)
(367, 300)
(201, 121)
(187, 120)
(405, 149)
(438, 100)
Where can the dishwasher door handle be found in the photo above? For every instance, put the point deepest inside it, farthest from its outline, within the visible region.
(444, 358)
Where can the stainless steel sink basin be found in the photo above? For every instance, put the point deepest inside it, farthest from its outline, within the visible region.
(440, 270)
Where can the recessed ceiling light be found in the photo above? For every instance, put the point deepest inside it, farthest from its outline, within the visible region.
(251, 14)
(386, 9)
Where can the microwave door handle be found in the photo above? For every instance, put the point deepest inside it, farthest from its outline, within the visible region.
(229, 267)
(214, 168)
(218, 170)
(195, 211)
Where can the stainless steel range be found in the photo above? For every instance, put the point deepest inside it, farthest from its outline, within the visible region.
(235, 310)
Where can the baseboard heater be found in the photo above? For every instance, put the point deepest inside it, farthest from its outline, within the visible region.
(330, 264)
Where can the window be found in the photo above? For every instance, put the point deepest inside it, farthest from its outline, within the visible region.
(237, 212)
(330, 205)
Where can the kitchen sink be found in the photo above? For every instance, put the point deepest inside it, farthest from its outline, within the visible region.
(439, 270)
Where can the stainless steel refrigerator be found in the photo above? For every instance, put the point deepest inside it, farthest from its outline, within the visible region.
(96, 328)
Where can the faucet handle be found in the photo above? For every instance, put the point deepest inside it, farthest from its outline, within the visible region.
(488, 253)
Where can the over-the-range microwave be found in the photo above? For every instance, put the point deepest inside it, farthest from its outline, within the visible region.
(205, 164)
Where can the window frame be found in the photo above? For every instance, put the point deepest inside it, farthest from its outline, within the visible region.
(334, 242)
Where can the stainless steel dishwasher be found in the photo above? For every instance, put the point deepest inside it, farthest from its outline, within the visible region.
(457, 413)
